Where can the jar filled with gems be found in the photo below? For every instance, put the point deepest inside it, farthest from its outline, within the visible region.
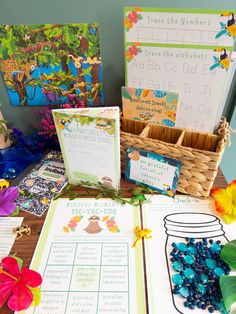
(193, 246)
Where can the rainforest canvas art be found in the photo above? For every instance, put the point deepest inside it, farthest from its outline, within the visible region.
(51, 64)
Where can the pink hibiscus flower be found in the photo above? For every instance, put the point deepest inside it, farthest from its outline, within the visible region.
(15, 285)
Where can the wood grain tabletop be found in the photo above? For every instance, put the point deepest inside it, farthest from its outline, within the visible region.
(25, 246)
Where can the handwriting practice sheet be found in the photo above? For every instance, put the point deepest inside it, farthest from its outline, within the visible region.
(183, 51)
(86, 259)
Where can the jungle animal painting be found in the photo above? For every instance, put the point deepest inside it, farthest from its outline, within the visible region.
(51, 64)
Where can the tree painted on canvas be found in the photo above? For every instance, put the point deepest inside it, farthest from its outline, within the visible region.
(51, 64)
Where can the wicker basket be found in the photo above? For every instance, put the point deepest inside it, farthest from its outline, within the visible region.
(200, 153)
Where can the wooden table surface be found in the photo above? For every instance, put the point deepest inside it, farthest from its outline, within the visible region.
(25, 246)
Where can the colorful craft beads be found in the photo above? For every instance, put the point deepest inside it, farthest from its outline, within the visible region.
(198, 268)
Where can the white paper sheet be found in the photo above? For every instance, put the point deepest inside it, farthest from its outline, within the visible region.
(7, 237)
(87, 263)
(154, 213)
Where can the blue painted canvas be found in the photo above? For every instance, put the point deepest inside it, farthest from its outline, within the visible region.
(156, 171)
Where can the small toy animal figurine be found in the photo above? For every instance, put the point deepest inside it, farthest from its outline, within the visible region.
(107, 182)
(4, 184)
(20, 231)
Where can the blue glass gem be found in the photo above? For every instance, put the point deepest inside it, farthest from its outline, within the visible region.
(178, 266)
(182, 247)
(177, 279)
(189, 273)
(219, 271)
(12, 170)
(201, 288)
(211, 263)
(204, 278)
(184, 292)
(189, 259)
(192, 250)
(216, 247)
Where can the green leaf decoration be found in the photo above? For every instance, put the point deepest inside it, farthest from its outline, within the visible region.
(37, 296)
(19, 260)
(228, 290)
(98, 196)
(16, 212)
(228, 254)
(98, 190)
(125, 94)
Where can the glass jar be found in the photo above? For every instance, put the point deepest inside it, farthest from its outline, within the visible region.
(180, 226)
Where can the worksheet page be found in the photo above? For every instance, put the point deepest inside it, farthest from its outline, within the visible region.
(86, 259)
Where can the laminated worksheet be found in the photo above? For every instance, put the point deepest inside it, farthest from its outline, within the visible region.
(172, 221)
(183, 51)
(86, 259)
(196, 73)
(180, 26)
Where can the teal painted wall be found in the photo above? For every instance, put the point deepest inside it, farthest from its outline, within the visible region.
(228, 163)
(109, 14)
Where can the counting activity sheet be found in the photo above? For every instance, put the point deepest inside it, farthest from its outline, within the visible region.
(88, 263)
(172, 220)
(179, 26)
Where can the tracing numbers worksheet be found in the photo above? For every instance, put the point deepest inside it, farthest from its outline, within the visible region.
(183, 51)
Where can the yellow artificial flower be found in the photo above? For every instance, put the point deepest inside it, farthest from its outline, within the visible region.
(4, 184)
(225, 202)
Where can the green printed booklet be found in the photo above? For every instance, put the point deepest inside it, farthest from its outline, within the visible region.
(88, 264)
(90, 144)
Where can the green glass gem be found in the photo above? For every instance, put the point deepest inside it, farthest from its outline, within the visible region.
(182, 247)
(177, 279)
(211, 263)
(189, 259)
(178, 266)
(192, 250)
(201, 288)
(216, 247)
(219, 271)
(184, 292)
(204, 278)
(189, 273)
